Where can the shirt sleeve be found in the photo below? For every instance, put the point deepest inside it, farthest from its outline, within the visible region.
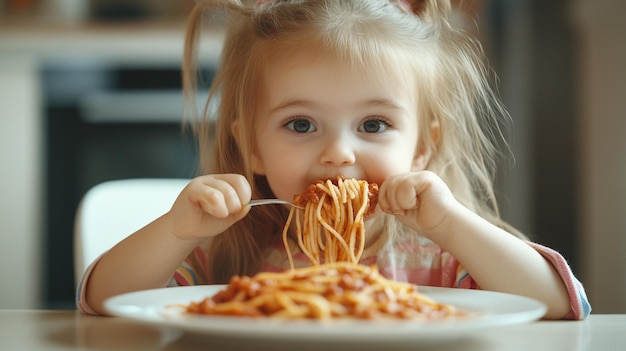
(579, 304)
(193, 271)
(81, 300)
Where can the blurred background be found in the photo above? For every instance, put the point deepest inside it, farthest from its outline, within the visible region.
(90, 91)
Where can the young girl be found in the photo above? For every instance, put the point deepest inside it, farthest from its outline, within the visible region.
(381, 90)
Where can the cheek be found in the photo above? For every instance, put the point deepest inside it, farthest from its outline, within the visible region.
(383, 165)
(285, 172)
(285, 184)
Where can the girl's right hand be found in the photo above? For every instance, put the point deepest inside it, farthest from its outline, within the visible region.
(208, 205)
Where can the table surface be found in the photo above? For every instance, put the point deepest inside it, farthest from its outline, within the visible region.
(71, 330)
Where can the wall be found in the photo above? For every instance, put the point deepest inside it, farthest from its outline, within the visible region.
(20, 186)
(561, 64)
(603, 151)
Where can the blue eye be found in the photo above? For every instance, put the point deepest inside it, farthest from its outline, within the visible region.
(300, 125)
(373, 126)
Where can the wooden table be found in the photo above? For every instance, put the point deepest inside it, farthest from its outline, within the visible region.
(36, 330)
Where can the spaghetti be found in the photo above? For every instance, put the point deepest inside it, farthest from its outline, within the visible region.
(332, 224)
(324, 292)
(331, 229)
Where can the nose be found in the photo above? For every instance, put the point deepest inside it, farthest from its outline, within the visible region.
(338, 151)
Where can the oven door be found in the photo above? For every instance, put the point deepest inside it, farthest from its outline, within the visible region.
(105, 123)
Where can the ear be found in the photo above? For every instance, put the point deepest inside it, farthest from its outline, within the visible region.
(255, 160)
(425, 151)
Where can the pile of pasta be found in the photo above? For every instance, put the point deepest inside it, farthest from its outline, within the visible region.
(331, 226)
(324, 292)
(330, 231)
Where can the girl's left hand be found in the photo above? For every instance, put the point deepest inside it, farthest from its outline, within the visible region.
(421, 200)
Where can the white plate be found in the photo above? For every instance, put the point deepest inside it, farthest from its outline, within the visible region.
(158, 306)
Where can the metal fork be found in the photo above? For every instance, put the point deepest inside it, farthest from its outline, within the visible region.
(273, 202)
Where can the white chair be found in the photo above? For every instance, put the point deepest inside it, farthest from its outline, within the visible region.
(112, 210)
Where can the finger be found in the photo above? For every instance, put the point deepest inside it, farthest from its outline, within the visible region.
(233, 186)
(239, 193)
(212, 201)
(407, 192)
(387, 194)
(215, 196)
(241, 186)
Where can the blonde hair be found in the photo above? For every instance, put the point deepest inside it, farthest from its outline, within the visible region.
(416, 37)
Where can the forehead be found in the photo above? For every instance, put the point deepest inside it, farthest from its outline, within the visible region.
(314, 65)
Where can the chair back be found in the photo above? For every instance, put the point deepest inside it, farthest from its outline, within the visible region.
(111, 211)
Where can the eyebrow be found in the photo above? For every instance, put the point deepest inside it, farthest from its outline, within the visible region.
(292, 103)
(384, 103)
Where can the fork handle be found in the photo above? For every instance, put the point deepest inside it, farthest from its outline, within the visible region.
(273, 202)
(269, 202)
